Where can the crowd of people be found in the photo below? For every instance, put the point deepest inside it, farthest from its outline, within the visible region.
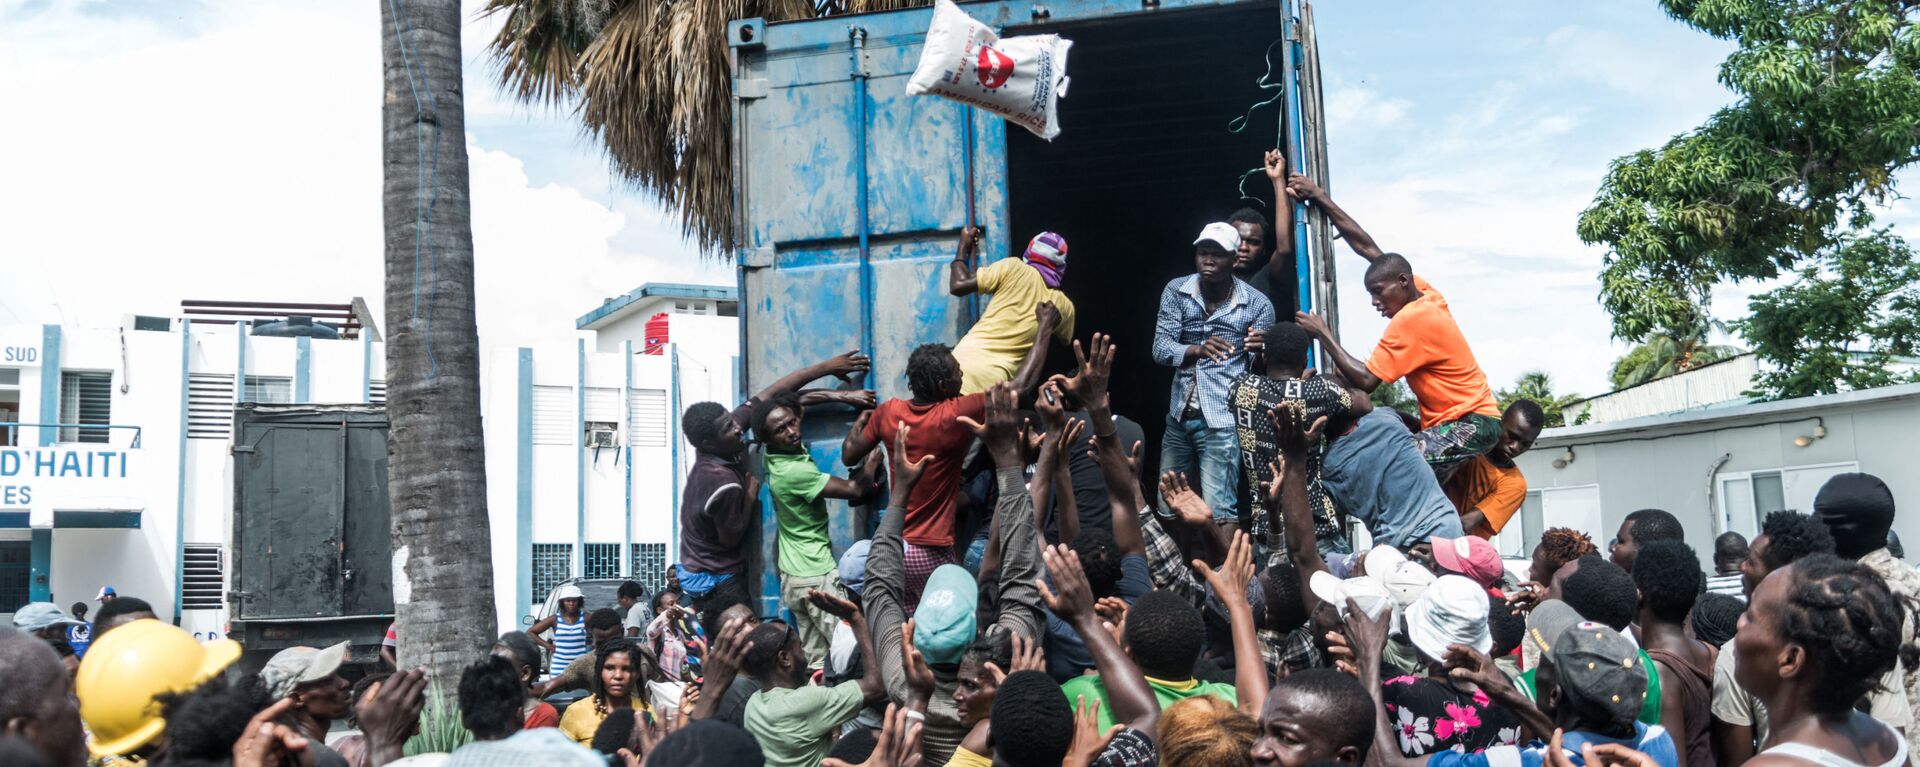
(1307, 580)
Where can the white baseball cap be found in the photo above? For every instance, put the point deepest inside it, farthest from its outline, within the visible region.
(1452, 611)
(1366, 592)
(1220, 233)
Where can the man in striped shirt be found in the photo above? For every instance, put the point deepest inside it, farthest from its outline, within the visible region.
(1728, 550)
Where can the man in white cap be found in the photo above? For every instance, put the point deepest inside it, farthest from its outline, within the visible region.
(311, 679)
(1202, 331)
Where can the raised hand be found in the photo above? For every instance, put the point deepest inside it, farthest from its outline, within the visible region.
(1070, 596)
(1527, 596)
(1236, 571)
(267, 744)
(919, 674)
(846, 366)
(969, 242)
(1292, 432)
(905, 473)
(1314, 325)
(1302, 188)
(1275, 165)
(1188, 505)
(1367, 635)
(833, 604)
(1052, 406)
(1089, 382)
(1088, 740)
(389, 713)
(1001, 431)
(1027, 656)
(1111, 610)
(897, 746)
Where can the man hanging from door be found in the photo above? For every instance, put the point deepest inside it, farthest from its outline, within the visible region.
(993, 348)
(1422, 344)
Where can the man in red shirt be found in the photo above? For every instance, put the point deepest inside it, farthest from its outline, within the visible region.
(934, 413)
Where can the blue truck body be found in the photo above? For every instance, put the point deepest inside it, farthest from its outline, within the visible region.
(850, 195)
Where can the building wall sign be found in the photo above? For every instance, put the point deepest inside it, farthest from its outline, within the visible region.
(20, 467)
(18, 356)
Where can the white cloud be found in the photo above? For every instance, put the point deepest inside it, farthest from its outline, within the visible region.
(1353, 107)
(216, 155)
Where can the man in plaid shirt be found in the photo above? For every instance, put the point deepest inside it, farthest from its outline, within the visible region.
(1201, 330)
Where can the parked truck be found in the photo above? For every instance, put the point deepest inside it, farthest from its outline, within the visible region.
(850, 195)
(312, 549)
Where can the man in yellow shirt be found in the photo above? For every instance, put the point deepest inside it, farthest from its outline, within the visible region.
(1021, 289)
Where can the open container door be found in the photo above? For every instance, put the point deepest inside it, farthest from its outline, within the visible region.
(850, 194)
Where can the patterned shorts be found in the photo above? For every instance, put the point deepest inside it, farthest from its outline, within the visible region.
(920, 562)
(1447, 445)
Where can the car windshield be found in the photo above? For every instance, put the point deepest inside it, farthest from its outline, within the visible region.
(600, 593)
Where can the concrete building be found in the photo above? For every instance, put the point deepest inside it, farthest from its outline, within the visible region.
(1719, 467)
(115, 463)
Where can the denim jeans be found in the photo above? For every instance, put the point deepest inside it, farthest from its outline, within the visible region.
(1209, 457)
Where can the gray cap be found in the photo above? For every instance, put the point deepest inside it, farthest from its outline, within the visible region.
(39, 615)
(1597, 665)
(1544, 625)
(296, 666)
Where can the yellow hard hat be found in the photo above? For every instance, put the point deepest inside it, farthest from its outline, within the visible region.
(129, 668)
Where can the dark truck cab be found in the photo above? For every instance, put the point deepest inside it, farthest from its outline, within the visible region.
(312, 548)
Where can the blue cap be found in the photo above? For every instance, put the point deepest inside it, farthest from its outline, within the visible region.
(853, 565)
(943, 624)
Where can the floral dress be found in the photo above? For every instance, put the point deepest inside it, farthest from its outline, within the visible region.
(1431, 716)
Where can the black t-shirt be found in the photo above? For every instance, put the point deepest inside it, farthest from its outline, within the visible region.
(1090, 496)
(1282, 293)
(733, 707)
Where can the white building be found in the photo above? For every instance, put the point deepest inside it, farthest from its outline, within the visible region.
(114, 441)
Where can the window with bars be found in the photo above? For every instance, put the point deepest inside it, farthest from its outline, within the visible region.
(553, 415)
(204, 578)
(650, 565)
(552, 563)
(602, 561)
(269, 389)
(377, 390)
(86, 399)
(647, 413)
(209, 405)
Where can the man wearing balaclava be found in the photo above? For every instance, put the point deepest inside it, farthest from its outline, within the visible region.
(1858, 510)
(1023, 290)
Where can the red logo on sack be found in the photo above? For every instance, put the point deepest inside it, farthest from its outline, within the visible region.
(994, 68)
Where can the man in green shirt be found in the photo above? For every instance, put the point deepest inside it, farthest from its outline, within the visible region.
(800, 491)
(1164, 635)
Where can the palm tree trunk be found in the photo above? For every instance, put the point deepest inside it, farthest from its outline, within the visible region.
(442, 573)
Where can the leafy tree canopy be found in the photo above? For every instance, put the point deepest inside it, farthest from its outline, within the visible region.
(1538, 386)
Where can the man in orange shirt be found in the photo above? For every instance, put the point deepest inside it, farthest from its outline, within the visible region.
(1489, 488)
(1422, 343)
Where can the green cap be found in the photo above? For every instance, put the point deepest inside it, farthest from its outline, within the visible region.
(943, 623)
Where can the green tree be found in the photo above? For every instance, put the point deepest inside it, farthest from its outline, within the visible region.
(650, 82)
(1778, 182)
(1538, 386)
(1838, 326)
(1662, 355)
(1396, 396)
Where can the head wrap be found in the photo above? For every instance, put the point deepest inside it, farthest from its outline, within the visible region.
(1858, 510)
(1048, 254)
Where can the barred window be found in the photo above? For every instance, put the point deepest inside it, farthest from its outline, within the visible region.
(86, 401)
(603, 560)
(650, 565)
(552, 563)
(204, 579)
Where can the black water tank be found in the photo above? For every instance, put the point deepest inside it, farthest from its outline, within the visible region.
(295, 326)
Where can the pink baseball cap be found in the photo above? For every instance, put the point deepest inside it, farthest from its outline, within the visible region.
(1470, 556)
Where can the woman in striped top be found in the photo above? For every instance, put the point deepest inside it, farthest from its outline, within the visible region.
(569, 625)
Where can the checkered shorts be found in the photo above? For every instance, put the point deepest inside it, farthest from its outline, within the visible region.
(920, 562)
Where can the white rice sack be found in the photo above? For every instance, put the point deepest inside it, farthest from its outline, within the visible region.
(1018, 78)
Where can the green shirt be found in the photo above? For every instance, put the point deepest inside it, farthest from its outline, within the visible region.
(1167, 692)
(1649, 711)
(801, 514)
(793, 724)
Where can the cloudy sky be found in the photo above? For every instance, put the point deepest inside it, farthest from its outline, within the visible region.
(230, 149)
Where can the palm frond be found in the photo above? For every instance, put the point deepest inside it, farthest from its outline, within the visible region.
(537, 51)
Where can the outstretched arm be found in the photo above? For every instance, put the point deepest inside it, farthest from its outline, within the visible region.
(1089, 383)
(1303, 188)
(886, 583)
(842, 366)
(1282, 236)
(871, 684)
(1230, 587)
(1013, 516)
(960, 279)
(860, 441)
(1130, 698)
(1351, 368)
(1288, 491)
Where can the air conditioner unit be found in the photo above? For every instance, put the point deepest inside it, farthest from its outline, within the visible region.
(599, 438)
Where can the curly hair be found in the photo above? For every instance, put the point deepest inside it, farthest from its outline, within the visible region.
(204, 722)
(1716, 617)
(1100, 558)
(1842, 613)
(1602, 592)
(1649, 525)
(1251, 216)
(698, 422)
(1286, 610)
(1032, 721)
(1560, 545)
(1507, 625)
(1791, 536)
(932, 373)
(994, 647)
(1669, 578)
(1287, 345)
(1165, 635)
(490, 696)
(1205, 731)
(1528, 410)
(764, 644)
(1339, 702)
(603, 619)
(608, 649)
